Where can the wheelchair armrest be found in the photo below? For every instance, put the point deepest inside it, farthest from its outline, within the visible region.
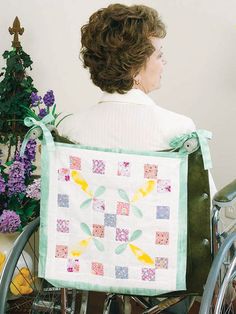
(227, 194)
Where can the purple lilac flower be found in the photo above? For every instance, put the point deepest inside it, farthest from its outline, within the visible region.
(16, 178)
(2, 184)
(9, 221)
(30, 150)
(49, 98)
(29, 155)
(35, 99)
(42, 113)
(33, 190)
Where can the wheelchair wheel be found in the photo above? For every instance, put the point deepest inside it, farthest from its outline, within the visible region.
(27, 293)
(220, 290)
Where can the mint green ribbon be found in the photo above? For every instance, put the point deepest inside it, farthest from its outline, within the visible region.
(202, 136)
(39, 124)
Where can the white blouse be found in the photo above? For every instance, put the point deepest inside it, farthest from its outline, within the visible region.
(131, 121)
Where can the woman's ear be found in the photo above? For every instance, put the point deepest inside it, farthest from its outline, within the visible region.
(137, 80)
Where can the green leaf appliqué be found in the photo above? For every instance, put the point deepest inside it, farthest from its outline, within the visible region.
(100, 190)
(123, 195)
(85, 228)
(99, 245)
(135, 235)
(121, 248)
(86, 203)
(137, 212)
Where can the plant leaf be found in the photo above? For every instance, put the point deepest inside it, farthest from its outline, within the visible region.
(99, 245)
(85, 228)
(121, 248)
(63, 119)
(123, 195)
(100, 190)
(86, 203)
(137, 212)
(135, 235)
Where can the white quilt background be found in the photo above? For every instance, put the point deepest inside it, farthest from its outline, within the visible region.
(87, 256)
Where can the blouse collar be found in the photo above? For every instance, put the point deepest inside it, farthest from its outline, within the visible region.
(135, 96)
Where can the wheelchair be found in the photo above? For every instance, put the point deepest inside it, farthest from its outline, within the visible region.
(211, 265)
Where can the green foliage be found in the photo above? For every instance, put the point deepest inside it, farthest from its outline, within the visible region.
(15, 90)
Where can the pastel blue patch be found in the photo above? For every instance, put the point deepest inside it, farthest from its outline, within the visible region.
(63, 200)
(121, 272)
(163, 212)
(110, 220)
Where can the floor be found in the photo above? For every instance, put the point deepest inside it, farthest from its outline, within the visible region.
(95, 306)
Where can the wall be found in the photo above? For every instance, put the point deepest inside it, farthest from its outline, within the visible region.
(199, 78)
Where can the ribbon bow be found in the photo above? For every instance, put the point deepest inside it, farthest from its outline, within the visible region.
(38, 125)
(202, 136)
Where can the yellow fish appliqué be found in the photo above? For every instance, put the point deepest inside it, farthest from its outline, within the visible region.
(144, 191)
(83, 244)
(78, 179)
(141, 255)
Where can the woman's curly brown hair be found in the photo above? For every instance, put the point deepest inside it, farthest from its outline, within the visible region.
(116, 44)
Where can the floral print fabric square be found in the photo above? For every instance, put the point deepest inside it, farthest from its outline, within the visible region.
(73, 265)
(63, 200)
(163, 186)
(161, 263)
(98, 231)
(110, 220)
(162, 238)
(123, 169)
(61, 251)
(121, 272)
(122, 234)
(63, 174)
(98, 205)
(75, 163)
(148, 274)
(63, 225)
(98, 166)
(97, 269)
(163, 212)
(122, 208)
(150, 171)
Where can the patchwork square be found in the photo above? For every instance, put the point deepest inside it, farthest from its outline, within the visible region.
(63, 200)
(148, 274)
(75, 163)
(121, 272)
(63, 174)
(161, 263)
(150, 171)
(163, 186)
(73, 265)
(97, 269)
(98, 166)
(122, 234)
(98, 205)
(123, 168)
(110, 220)
(61, 251)
(162, 238)
(98, 231)
(62, 225)
(163, 212)
(122, 208)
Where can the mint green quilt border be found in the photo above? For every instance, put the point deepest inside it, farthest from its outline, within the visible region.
(183, 224)
(182, 241)
(45, 166)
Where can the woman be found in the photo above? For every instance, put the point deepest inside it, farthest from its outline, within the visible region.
(122, 48)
